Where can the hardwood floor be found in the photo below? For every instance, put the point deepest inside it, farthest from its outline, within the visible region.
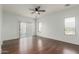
(38, 45)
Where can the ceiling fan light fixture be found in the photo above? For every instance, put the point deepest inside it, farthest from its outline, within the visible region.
(36, 12)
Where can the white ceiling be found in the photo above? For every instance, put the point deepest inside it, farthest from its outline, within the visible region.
(23, 9)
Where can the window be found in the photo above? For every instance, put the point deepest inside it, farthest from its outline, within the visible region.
(40, 26)
(23, 29)
(70, 26)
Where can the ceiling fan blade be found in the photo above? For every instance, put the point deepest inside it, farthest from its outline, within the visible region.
(41, 10)
(32, 12)
(38, 7)
(32, 9)
(38, 13)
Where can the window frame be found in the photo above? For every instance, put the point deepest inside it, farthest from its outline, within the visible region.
(39, 29)
(74, 27)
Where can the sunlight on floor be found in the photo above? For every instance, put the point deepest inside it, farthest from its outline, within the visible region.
(40, 44)
(25, 44)
(69, 51)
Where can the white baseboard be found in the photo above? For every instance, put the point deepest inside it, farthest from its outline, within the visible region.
(10, 38)
(57, 39)
(0, 46)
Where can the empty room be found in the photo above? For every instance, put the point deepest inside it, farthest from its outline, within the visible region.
(39, 29)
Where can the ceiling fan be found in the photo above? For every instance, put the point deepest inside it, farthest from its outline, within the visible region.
(37, 10)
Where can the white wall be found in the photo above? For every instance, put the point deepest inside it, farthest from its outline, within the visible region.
(53, 25)
(10, 25)
(0, 26)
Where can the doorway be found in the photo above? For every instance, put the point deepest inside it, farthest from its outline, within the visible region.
(26, 29)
